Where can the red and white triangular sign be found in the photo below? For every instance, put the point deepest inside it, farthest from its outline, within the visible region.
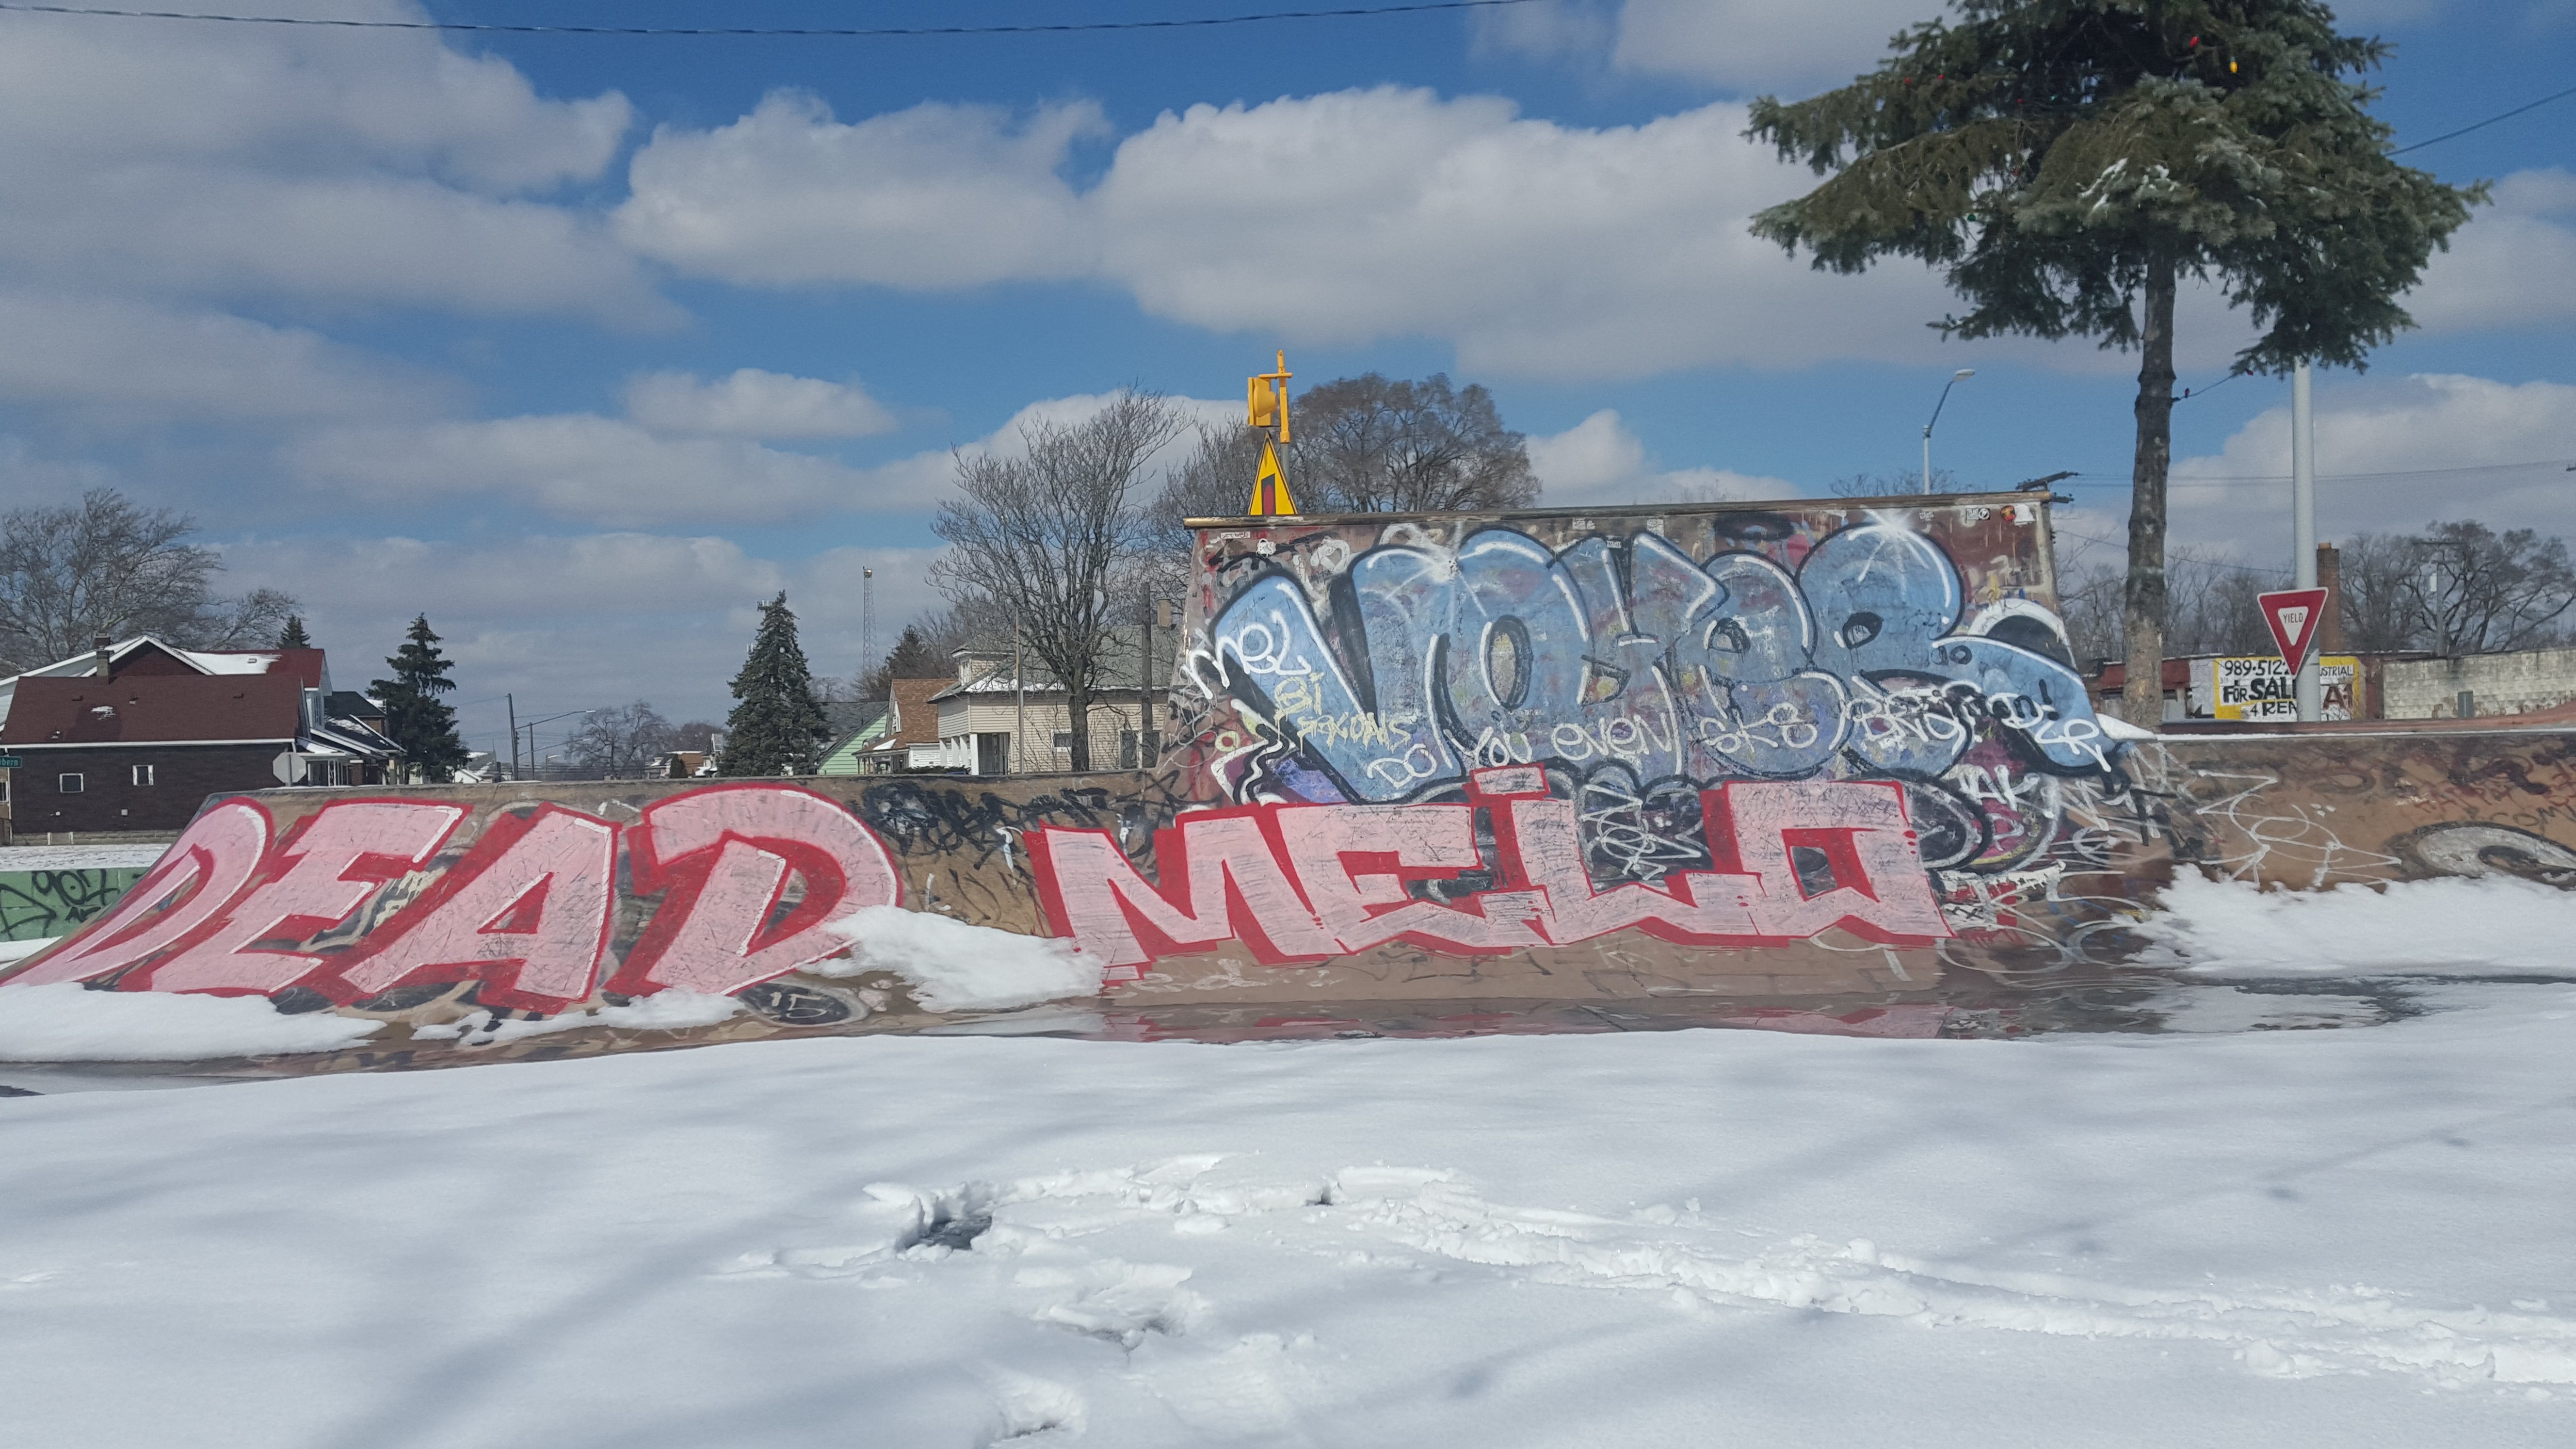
(2293, 616)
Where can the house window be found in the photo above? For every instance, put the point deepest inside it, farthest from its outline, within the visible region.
(1064, 739)
(71, 784)
(143, 774)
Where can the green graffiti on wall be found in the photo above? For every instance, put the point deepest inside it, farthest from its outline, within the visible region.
(35, 904)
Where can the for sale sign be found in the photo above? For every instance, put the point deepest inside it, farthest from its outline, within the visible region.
(2261, 687)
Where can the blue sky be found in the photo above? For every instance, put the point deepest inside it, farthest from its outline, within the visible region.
(583, 345)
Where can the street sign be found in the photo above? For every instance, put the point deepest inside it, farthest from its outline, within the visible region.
(2293, 616)
(1269, 490)
(12, 762)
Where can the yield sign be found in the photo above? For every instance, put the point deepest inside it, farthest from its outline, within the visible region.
(2293, 616)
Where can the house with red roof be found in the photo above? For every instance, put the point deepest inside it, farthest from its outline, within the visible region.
(141, 737)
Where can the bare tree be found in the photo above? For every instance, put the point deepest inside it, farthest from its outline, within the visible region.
(973, 622)
(106, 566)
(1047, 537)
(697, 734)
(1215, 481)
(2476, 591)
(1894, 485)
(620, 741)
(2213, 609)
(1370, 444)
(2088, 603)
(2374, 577)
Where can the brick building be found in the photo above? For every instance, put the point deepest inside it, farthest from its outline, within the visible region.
(140, 740)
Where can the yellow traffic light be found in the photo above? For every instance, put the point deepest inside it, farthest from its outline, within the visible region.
(1266, 398)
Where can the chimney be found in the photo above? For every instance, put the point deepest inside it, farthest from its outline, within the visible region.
(103, 643)
(2330, 579)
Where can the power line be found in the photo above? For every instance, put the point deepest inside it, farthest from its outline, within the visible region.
(2185, 558)
(876, 32)
(2489, 121)
(2114, 480)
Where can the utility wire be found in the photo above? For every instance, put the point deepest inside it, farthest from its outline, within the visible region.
(866, 33)
(2115, 480)
(2489, 121)
(2179, 558)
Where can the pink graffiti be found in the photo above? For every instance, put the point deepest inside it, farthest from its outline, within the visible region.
(1353, 861)
(1300, 882)
(527, 912)
(200, 874)
(752, 878)
(320, 875)
(1225, 864)
(725, 856)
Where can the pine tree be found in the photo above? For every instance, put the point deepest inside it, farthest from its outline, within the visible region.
(415, 717)
(2067, 162)
(911, 658)
(293, 635)
(778, 728)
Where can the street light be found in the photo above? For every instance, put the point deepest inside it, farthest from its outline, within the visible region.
(1956, 378)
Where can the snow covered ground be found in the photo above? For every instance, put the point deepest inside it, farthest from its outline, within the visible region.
(123, 856)
(1687, 1238)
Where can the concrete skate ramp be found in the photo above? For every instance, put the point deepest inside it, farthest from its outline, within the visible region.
(1783, 758)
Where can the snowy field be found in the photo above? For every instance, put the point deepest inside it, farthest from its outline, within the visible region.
(1710, 1237)
(2284, 1239)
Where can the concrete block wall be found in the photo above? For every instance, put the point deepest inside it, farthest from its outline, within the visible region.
(2502, 683)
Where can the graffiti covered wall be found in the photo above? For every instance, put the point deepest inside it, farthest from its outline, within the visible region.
(38, 904)
(1739, 751)
(1719, 727)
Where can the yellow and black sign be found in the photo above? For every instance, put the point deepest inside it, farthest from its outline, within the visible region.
(1270, 490)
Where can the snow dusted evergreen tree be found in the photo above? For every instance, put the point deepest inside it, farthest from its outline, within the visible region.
(778, 728)
(415, 716)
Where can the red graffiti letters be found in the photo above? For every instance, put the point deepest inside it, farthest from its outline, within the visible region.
(196, 877)
(1800, 858)
(527, 912)
(725, 855)
(1223, 863)
(321, 874)
(364, 896)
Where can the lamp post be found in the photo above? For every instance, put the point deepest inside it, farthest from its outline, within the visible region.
(2308, 689)
(1956, 378)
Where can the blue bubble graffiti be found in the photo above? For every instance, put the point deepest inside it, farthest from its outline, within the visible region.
(1626, 654)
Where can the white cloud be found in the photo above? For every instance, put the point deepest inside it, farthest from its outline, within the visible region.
(1599, 460)
(934, 196)
(589, 468)
(621, 474)
(578, 621)
(2513, 265)
(2428, 421)
(1539, 249)
(108, 360)
(755, 404)
(352, 168)
(2392, 455)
